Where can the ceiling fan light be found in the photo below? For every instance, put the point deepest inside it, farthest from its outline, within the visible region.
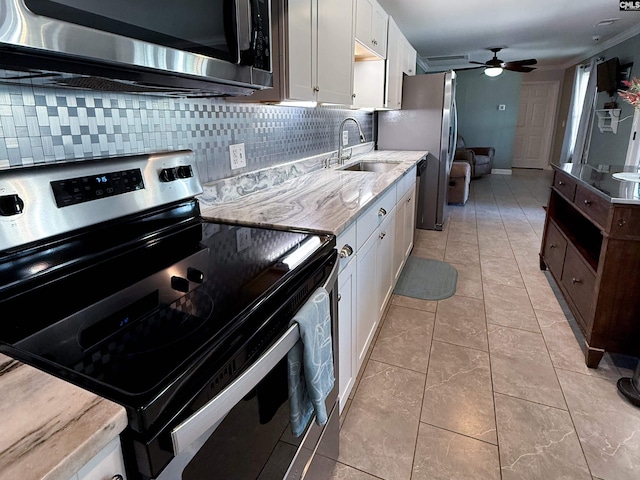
(492, 71)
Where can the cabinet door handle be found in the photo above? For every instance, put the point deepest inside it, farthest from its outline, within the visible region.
(346, 251)
(576, 280)
(552, 246)
(316, 89)
(382, 235)
(339, 297)
(587, 202)
(408, 199)
(560, 182)
(382, 212)
(621, 222)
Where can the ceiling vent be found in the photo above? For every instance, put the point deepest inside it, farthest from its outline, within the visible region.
(446, 60)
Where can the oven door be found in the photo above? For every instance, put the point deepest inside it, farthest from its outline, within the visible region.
(244, 432)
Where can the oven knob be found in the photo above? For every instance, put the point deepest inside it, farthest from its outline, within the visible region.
(10, 205)
(185, 171)
(180, 284)
(168, 174)
(195, 275)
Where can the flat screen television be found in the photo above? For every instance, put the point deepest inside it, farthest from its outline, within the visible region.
(607, 79)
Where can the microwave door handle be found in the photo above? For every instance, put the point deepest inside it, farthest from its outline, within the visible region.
(216, 409)
(244, 25)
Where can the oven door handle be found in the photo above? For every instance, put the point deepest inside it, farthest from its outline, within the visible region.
(216, 409)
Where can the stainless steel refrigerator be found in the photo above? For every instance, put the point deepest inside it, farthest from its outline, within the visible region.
(427, 121)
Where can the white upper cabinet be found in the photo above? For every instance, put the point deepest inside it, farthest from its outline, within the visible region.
(409, 57)
(401, 60)
(371, 26)
(335, 51)
(312, 42)
(368, 84)
(393, 97)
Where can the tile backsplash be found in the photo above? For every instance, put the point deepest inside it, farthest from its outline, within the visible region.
(43, 125)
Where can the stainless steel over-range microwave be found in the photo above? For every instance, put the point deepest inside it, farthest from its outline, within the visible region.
(217, 47)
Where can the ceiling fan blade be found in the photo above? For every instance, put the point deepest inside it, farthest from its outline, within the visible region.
(530, 61)
(482, 65)
(518, 68)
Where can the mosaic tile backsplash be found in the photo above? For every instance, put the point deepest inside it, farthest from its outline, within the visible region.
(42, 125)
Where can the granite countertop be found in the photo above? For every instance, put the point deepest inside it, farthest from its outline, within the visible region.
(50, 428)
(325, 201)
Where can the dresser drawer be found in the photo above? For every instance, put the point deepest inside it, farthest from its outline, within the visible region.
(374, 215)
(592, 204)
(626, 222)
(579, 281)
(554, 249)
(565, 184)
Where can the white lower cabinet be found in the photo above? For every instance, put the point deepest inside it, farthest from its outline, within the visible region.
(347, 281)
(404, 229)
(366, 291)
(373, 251)
(108, 464)
(385, 278)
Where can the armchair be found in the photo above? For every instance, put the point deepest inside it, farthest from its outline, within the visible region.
(480, 158)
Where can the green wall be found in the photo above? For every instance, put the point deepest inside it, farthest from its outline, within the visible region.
(607, 148)
(480, 121)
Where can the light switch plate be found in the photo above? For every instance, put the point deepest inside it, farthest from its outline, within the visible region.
(345, 138)
(236, 153)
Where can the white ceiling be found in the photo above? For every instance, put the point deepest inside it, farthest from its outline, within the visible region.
(558, 33)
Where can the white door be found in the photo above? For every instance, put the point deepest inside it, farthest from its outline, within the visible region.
(534, 129)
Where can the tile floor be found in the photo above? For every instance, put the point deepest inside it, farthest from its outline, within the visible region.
(490, 383)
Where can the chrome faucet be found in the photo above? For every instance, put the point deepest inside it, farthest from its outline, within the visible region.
(341, 156)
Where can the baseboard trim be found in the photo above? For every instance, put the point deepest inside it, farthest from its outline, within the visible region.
(501, 171)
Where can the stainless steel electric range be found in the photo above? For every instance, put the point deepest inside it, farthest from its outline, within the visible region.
(111, 280)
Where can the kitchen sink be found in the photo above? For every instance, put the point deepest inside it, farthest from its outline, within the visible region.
(371, 166)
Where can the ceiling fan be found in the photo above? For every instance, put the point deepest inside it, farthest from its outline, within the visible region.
(495, 66)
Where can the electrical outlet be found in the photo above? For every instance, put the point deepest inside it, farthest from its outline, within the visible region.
(236, 153)
(243, 238)
(345, 138)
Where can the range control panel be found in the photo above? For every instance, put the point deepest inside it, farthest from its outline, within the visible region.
(43, 201)
(91, 187)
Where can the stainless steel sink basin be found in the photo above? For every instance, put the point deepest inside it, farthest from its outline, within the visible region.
(379, 167)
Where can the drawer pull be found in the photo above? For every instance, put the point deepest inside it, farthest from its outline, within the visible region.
(587, 202)
(560, 182)
(552, 246)
(382, 235)
(382, 212)
(346, 251)
(621, 222)
(576, 280)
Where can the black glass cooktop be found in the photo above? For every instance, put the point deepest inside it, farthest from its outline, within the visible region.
(128, 324)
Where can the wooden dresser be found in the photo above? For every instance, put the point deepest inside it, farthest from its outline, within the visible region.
(591, 246)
